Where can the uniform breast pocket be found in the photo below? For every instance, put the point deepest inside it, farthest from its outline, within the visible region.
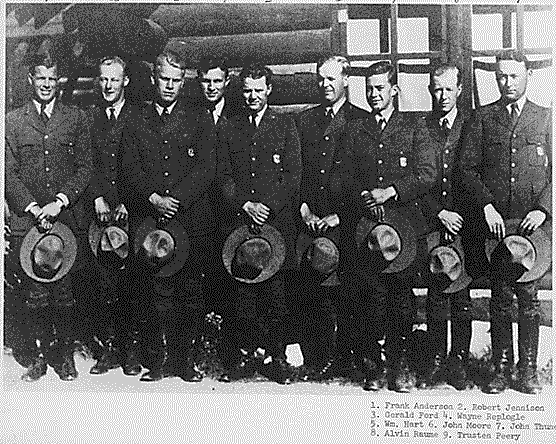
(536, 152)
(69, 145)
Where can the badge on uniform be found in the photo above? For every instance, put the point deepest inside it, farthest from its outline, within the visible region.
(403, 162)
(276, 158)
(190, 152)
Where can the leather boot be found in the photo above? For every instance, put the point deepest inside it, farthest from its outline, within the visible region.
(109, 359)
(528, 344)
(502, 351)
(373, 369)
(35, 371)
(131, 365)
(62, 360)
(399, 376)
(278, 369)
(458, 370)
(437, 329)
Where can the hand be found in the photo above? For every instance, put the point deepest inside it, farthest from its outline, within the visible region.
(532, 221)
(45, 225)
(378, 212)
(121, 213)
(451, 220)
(50, 211)
(257, 211)
(102, 209)
(378, 196)
(448, 237)
(35, 210)
(167, 206)
(330, 221)
(495, 222)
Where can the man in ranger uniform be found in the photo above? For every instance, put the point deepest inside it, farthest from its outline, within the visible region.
(170, 164)
(260, 179)
(108, 308)
(325, 193)
(507, 169)
(48, 167)
(394, 166)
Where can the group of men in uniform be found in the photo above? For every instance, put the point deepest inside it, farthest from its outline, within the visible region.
(175, 207)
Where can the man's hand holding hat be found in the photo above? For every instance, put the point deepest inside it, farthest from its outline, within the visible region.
(102, 209)
(167, 206)
(532, 221)
(495, 222)
(451, 220)
(120, 213)
(257, 211)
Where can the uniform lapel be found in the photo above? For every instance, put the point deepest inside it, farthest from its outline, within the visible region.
(502, 116)
(34, 119)
(434, 129)
(264, 124)
(337, 122)
(455, 131)
(390, 127)
(57, 117)
(527, 117)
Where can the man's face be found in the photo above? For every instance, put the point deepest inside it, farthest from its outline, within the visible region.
(255, 93)
(213, 84)
(112, 82)
(44, 83)
(445, 91)
(380, 93)
(332, 82)
(512, 77)
(169, 81)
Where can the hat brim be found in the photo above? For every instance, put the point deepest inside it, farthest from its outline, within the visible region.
(541, 242)
(181, 242)
(242, 234)
(463, 281)
(31, 239)
(397, 220)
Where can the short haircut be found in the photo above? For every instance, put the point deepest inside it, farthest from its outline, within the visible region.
(384, 67)
(42, 60)
(346, 66)
(171, 58)
(443, 68)
(513, 54)
(256, 71)
(109, 60)
(208, 63)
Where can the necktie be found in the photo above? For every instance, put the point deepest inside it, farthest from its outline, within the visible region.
(165, 114)
(253, 122)
(514, 115)
(112, 114)
(328, 115)
(444, 127)
(381, 122)
(44, 116)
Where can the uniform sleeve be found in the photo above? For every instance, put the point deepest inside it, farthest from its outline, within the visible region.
(471, 162)
(197, 183)
(80, 180)
(17, 193)
(423, 175)
(545, 198)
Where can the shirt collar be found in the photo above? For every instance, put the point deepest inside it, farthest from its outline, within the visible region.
(337, 105)
(160, 108)
(258, 116)
(48, 109)
(117, 109)
(450, 117)
(520, 104)
(386, 114)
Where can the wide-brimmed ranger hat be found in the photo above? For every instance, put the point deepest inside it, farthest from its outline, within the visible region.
(109, 243)
(161, 246)
(446, 263)
(253, 254)
(519, 257)
(318, 256)
(388, 245)
(47, 256)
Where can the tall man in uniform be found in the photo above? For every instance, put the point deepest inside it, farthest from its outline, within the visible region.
(48, 167)
(506, 161)
(325, 193)
(261, 178)
(170, 163)
(445, 209)
(394, 166)
(108, 308)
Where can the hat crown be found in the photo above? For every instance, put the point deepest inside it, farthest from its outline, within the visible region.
(48, 256)
(323, 255)
(522, 250)
(385, 239)
(159, 245)
(255, 252)
(115, 239)
(446, 260)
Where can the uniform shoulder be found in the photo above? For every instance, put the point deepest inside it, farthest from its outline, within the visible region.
(358, 113)
(16, 113)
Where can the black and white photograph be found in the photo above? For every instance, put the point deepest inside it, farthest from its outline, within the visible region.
(277, 221)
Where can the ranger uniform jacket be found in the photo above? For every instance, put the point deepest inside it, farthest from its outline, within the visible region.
(43, 160)
(510, 168)
(402, 155)
(174, 158)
